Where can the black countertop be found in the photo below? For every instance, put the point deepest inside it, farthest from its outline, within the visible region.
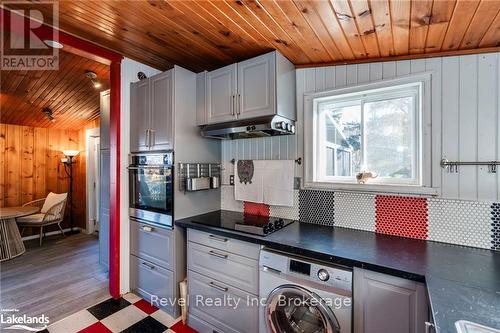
(462, 282)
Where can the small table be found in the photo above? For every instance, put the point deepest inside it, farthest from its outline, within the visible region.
(11, 243)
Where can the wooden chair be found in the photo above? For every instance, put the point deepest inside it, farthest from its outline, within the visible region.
(51, 212)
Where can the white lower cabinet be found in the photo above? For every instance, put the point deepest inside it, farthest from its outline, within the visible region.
(232, 269)
(150, 280)
(384, 304)
(222, 284)
(200, 325)
(233, 314)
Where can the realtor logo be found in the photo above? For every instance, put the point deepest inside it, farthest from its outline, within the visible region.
(26, 39)
(10, 319)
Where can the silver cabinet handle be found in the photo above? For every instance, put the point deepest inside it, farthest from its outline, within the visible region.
(220, 239)
(429, 326)
(216, 286)
(152, 137)
(238, 109)
(232, 105)
(218, 255)
(146, 140)
(148, 266)
(147, 228)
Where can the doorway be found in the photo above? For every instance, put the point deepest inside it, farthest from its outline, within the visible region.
(93, 180)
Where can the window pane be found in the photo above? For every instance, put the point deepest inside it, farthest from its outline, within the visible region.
(389, 133)
(342, 134)
(343, 163)
(330, 171)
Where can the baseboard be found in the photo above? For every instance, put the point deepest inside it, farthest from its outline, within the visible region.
(51, 233)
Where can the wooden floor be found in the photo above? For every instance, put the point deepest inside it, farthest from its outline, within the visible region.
(58, 279)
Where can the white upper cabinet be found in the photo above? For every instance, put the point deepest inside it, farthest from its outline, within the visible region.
(161, 111)
(261, 86)
(256, 87)
(221, 94)
(139, 115)
(151, 113)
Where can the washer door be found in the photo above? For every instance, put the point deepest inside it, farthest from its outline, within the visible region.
(294, 309)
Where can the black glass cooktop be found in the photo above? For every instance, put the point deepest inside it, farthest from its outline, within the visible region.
(252, 224)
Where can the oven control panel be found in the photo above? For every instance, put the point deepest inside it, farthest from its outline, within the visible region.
(166, 158)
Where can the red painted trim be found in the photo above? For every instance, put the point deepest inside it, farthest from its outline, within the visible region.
(82, 47)
(114, 180)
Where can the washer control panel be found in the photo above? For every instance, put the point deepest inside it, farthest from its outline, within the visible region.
(335, 276)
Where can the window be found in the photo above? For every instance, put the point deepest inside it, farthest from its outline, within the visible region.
(376, 128)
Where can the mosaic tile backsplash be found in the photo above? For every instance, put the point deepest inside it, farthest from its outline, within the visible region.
(467, 223)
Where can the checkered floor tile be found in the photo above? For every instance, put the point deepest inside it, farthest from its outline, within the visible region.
(129, 314)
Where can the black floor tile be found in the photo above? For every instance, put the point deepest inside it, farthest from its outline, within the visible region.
(147, 325)
(108, 307)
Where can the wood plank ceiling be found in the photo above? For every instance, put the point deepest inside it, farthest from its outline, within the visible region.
(203, 35)
(67, 92)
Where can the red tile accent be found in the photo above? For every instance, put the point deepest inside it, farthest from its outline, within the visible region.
(401, 216)
(179, 327)
(146, 306)
(256, 208)
(96, 328)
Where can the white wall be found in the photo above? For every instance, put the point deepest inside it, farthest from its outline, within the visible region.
(465, 120)
(129, 69)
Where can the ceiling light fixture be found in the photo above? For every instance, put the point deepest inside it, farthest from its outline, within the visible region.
(54, 44)
(93, 76)
(48, 112)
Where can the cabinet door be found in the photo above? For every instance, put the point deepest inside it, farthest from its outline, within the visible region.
(232, 269)
(152, 244)
(161, 111)
(242, 319)
(148, 280)
(104, 210)
(256, 87)
(221, 91)
(105, 115)
(384, 303)
(140, 112)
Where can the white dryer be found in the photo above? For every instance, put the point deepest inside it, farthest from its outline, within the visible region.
(299, 295)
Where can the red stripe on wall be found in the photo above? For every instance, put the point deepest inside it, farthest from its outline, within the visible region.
(256, 208)
(114, 181)
(401, 216)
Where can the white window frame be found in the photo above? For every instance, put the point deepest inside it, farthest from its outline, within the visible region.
(423, 131)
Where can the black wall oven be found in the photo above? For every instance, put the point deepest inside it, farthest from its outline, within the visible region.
(151, 178)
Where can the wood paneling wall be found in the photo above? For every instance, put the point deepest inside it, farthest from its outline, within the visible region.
(465, 118)
(30, 166)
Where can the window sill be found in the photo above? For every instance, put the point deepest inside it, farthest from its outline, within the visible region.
(378, 188)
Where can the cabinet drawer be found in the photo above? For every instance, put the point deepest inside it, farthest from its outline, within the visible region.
(149, 279)
(243, 318)
(201, 326)
(151, 243)
(224, 243)
(230, 268)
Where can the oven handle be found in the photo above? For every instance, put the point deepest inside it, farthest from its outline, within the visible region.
(149, 167)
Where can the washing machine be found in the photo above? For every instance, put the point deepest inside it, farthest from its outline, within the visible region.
(300, 295)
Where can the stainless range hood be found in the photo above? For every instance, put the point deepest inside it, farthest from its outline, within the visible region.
(250, 128)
